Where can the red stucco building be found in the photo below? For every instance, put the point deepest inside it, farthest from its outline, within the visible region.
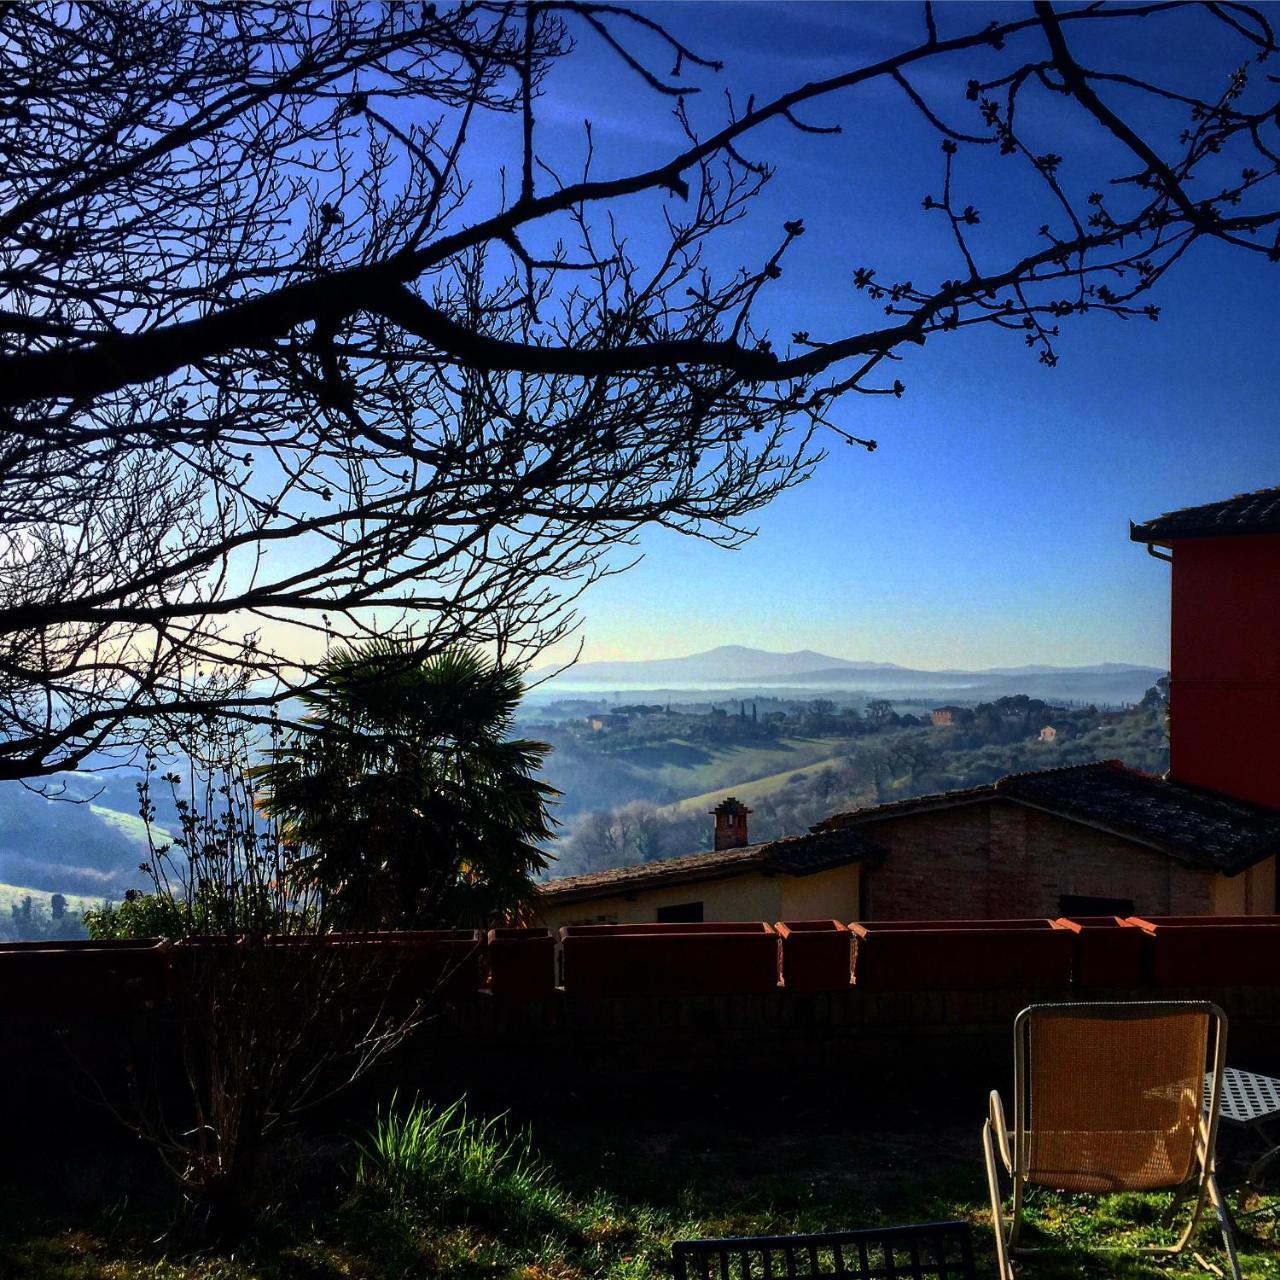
(1224, 686)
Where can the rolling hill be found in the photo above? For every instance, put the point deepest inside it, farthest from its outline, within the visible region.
(750, 792)
(745, 669)
(724, 663)
(85, 839)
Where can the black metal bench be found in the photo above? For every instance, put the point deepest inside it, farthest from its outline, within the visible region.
(929, 1251)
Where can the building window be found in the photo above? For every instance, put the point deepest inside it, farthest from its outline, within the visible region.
(681, 913)
(1072, 904)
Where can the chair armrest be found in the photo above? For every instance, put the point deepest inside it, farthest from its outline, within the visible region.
(1000, 1128)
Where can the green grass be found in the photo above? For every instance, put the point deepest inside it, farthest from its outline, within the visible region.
(757, 788)
(129, 825)
(733, 768)
(438, 1194)
(446, 1162)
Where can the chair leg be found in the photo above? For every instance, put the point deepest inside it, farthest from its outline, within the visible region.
(1180, 1193)
(1202, 1195)
(997, 1217)
(1015, 1227)
(1224, 1222)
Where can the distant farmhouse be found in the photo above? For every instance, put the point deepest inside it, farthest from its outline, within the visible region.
(1094, 839)
(606, 723)
(1057, 731)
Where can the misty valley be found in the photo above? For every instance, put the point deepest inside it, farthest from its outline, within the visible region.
(639, 767)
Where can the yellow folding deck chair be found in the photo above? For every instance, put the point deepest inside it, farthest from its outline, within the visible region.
(1109, 1097)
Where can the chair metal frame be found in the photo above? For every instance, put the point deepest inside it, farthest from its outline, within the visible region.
(1015, 1157)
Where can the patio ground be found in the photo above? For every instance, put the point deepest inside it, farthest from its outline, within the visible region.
(622, 1187)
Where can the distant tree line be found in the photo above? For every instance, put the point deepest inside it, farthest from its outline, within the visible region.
(895, 761)
(33, 920)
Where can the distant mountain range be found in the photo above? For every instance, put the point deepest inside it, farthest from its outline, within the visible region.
(727, 662)
(735, 665)
(738, 662)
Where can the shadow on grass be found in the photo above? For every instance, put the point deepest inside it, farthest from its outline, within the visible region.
(608, 1201)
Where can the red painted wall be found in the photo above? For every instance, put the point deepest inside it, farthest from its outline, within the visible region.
(1224, 691)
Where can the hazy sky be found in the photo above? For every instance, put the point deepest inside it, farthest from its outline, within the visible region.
(991, 525)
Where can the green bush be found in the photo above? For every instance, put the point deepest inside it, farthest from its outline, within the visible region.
(449, 1163)
(162, 915)
(143, 915)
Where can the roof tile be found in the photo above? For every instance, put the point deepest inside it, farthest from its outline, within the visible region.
(1257, 512)
(1202, 828)
(794, 855)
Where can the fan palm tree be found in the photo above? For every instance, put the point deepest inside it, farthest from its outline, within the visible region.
(415, 809)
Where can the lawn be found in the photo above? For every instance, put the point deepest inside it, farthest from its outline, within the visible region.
(602, 1195)
(758, 788)
(751, 772)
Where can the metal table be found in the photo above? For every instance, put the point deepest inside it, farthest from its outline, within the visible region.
(1249, 1101)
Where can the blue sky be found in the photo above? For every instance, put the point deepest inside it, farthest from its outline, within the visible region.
(991, 525)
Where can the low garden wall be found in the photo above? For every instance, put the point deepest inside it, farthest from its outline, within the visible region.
(629, 1014)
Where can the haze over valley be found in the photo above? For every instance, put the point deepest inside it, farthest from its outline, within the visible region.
(642, 749)
(733, 667)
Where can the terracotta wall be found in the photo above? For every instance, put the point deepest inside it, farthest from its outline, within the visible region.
(997, 860)
(909, 1047)
(1225, 665)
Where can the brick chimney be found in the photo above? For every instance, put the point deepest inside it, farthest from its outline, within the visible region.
(1224, 662)
(731, 823)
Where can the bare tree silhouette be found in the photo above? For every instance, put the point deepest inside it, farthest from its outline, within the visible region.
(280, 352)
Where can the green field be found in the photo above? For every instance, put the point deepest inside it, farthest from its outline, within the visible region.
(757, 788)
(698, 771)
(129, 825)
(11, 895)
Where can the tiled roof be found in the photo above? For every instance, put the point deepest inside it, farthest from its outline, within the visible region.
(1245, 513)
(794, 856)
(1201, 828)
(900, 808)
(1204, 828)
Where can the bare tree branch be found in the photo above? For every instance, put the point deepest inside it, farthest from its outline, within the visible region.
(282, 358)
